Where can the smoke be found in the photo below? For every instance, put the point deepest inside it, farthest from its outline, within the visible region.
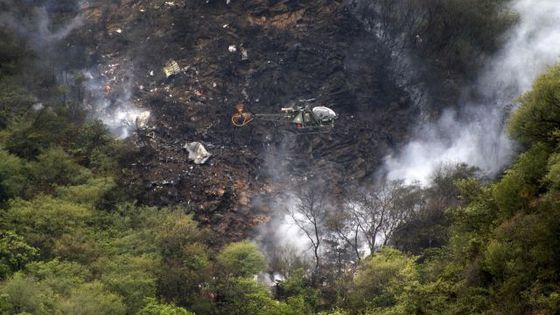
(108, 85)
(109, 98)
(476, 135)
(283, 242)
(37, 28)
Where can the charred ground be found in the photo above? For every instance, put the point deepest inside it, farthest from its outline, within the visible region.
(294, 49)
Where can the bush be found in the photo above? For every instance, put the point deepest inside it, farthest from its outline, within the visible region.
(14, 253)
(153, 307)
(44, 219)
(538, 117)
(241, 259)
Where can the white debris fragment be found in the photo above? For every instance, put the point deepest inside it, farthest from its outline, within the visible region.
(197, 152)
(232, 48)
(244, 54)
(142, 119)
(225, 25)
(37, 106)
(151, 73)
(118, 30)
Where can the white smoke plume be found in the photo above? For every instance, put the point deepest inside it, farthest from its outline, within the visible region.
(476, 136)
(108, 86)
(109, 98)
(38, 28)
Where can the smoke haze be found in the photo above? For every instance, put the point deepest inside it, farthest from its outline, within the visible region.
(476, 135)
(116, 109)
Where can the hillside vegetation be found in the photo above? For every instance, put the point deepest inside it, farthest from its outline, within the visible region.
(75, 240)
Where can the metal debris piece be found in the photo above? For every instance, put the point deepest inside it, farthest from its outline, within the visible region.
(171, 68)
(197, 152)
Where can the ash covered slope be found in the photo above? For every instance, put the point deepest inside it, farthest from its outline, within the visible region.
(265, 54)
(363, 61)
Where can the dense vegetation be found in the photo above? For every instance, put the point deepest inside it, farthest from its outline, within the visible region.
(73, 240)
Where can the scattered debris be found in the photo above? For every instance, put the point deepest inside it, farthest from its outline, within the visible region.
(171, 68)
(197, 152)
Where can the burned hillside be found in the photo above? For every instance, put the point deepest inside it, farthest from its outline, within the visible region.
(265, 55)
(183, 65)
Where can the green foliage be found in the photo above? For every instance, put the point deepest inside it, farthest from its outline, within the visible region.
(240, 296)
(21, 294)
(13, 176)
(553, 168)
(538, 117)
(89, 193)
(44, 219)
(14, 100)
(177, 231)
(242, 259)
(185, 269)
(14, 253)
(153, 307)
(92, 299)
(383, 280)
(55, 168)
(522, 182)
(30, 135)
(131, 277)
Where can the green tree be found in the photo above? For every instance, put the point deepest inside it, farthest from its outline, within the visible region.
(131, 277)
(13, 176)
(54, 167)
(58, 276)
(538, 117)
(14, 253)
(21, 294)
(92, 299)
(242, 296)
(44, 219)
(185, 269)
(383, 280)
(153, 307)
(241, 259)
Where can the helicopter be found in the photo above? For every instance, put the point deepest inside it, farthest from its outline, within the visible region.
(301, 117)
